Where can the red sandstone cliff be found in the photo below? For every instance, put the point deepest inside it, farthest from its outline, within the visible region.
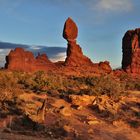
(21, 60)
(131, 51)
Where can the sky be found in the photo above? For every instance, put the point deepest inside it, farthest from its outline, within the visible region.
(39, 23)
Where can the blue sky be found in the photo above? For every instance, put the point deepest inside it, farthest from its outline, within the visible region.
(102, 24)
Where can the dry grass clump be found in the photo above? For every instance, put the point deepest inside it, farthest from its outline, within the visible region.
(8, 86)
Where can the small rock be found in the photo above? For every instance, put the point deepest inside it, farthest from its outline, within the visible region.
(93, 122)
(65, 111)
(90, 131)
(80, 107)
(83, 100)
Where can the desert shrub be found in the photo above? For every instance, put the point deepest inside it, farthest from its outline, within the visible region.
(104, 85)
(35, 82)
(89, 81)
(40, 81)
(132, 84)
(107, 85)
(7, 81)
(55, 82)
(9, 87)
(26, 81)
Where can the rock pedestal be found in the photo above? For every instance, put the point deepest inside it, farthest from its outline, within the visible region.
(75, 55)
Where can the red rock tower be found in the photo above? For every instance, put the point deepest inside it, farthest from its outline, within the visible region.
(75, 55)
(131, 51)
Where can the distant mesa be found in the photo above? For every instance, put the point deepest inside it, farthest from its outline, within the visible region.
(131, 51)
(20, 60)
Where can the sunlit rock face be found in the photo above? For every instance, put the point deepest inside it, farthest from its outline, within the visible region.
(70, 31)
(131, 51)
(21, 60)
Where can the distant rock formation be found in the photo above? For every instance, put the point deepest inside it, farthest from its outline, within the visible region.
(76, 62)
(75, 55)
(70, 31)
(131, 51)
(21, 60)
(105, 66)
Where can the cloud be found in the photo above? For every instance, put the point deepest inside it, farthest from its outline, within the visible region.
(100, 5)
(108, 5)
(50, 51)
(3, 53)
(58, 57)
(7, 45)
(114, 5)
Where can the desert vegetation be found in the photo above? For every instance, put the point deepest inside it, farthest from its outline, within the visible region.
(23, 97)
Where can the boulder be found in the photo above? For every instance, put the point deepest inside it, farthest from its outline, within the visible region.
(70, 31)
(83, 100)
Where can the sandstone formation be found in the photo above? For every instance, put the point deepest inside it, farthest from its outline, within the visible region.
(70, 31)
(76, 62)
(131, 51)
(21, 60)
(75, 55)
(105, 66)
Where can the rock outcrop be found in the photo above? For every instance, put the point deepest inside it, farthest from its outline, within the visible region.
(70, 31)
(131, 51)
(75, 55)
(20, 60)
(105, 66)
(76, 62)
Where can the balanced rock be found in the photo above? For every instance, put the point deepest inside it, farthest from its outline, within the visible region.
(131, 51)
(21, 60)
(75, 55)
(70, 31)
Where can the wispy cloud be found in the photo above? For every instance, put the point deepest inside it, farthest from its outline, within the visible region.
(58, 57)
(100, 5)
(114, 5)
